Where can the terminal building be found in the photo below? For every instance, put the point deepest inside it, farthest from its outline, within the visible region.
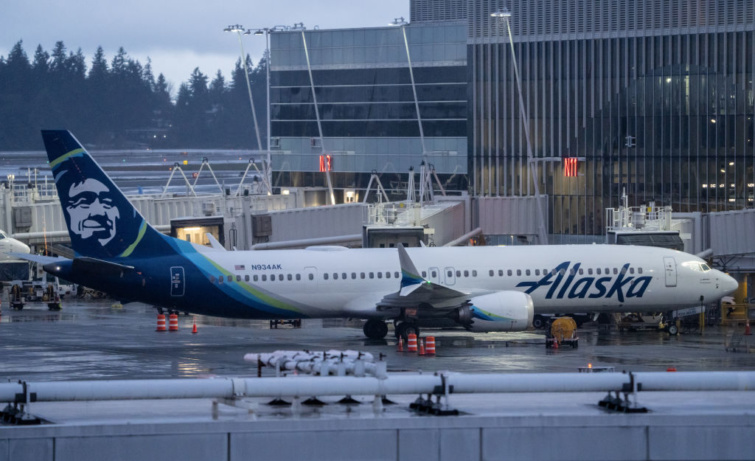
(652, 98)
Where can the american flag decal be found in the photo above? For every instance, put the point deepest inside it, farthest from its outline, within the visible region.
(239, 267)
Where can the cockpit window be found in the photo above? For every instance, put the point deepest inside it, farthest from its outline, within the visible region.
(704, 267)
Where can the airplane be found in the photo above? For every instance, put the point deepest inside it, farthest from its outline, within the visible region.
(9, 245)
(477, 288)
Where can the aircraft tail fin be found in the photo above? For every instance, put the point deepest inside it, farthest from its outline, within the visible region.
(101, 222)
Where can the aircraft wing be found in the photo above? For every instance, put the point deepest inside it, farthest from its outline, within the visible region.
(416, 290)
(37, 258)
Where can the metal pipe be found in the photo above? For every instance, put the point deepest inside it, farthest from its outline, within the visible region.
(393, 385)
(306, 242)
(464, 237)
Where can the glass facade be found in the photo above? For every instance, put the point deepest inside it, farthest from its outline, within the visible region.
(348, 94)
(652, 97)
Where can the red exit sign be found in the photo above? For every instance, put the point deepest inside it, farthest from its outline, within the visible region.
(326, 163)
(571, 165)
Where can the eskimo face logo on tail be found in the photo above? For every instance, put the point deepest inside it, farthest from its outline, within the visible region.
(588, 287)
(101, 222)
(91, 211)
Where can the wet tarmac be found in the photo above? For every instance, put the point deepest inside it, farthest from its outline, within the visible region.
(99, 340)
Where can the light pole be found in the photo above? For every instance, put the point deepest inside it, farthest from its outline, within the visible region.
(505, 15)
(238, 28)
(402, 23)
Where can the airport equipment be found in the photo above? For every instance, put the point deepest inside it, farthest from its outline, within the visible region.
(322, 363)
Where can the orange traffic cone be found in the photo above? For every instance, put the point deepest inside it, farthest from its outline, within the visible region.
(555, 343)
(194, 328)
(411, 343)
(400, 344)
(160, 322)
(422, 346)
(747, 328)
(430, 346)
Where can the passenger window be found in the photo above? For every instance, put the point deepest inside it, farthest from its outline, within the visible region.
(387, 275)
(335, 275)
(615, 271)
(639, 270)
(395, 274)
(518, 272)
(500, 272)
(537, 271)
(380, 275)
(571, 271)
(589, 271)
(353, 276)
(372, 275)
(255, 278)
(264, 278)
(581, 271)
(458, 273)
(466, 273)
(212, 279)
(238, 278)
(298, 276)
(450, 274)
(325, 276)
(290, 277)
(597, 271)
(220, 279)
(509, 272)
(272, 277)
(344, 276)
(631, 270)
(361, 275)
(424, 275)
(491, 272)
(474, 273)
(246, 278)
(434, 274)
(527, 272)
(311, 276)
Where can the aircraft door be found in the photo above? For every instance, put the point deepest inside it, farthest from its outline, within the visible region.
(177, 281)
(450, 275)
(670, 268)
(434, 275)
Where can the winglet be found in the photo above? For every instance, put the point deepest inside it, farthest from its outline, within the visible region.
(214, 242)
(409, 274)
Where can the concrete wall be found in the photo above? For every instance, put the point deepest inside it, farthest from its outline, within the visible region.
(509, 215)
(552, 436)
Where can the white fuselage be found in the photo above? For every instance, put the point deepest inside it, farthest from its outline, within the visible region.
(560, 278)
(11, 245)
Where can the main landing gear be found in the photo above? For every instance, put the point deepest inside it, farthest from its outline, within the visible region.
(404, 329)
(378, 329)
(375, 329)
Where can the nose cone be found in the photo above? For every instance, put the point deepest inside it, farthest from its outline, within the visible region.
(20, 247)
(728, 284)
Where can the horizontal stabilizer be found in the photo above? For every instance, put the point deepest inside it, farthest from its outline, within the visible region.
(37, 258)
(98, 266)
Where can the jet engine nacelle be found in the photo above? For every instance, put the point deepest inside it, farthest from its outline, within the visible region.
(500, 311)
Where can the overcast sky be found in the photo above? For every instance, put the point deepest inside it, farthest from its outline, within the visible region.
(178, 35)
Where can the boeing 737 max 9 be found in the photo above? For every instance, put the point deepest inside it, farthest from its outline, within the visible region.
(477, 288)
